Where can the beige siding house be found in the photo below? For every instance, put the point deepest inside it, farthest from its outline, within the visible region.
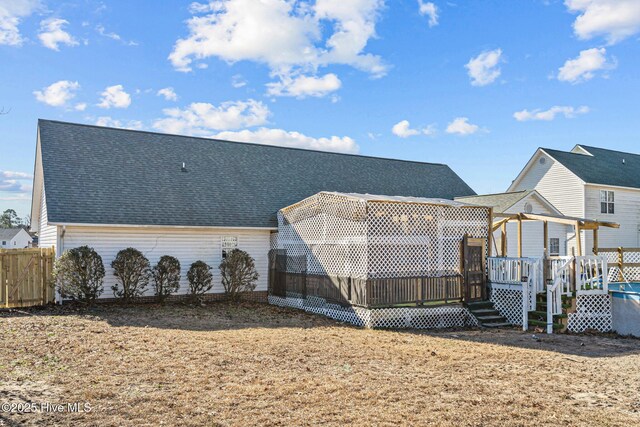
(589, 182)
(194, 198)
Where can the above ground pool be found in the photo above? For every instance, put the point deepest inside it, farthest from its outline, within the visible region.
(625, 308)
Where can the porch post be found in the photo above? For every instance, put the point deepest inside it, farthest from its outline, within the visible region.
(545, 225)
(503, 240)
(578, 238)
(595, 241)
(519, 237)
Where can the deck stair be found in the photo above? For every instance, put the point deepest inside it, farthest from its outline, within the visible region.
(538, 318)
(487, 314)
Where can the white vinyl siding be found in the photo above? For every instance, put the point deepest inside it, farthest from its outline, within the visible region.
(47, 234)
(554, 182)
(187, 245)
(626, 213)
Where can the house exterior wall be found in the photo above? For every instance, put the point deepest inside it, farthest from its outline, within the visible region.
(47, 234)
(20, 241)
(554, 182)
(187, 245)
(626, 213)
(532, 231)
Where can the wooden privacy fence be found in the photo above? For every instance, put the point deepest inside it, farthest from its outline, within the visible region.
(25, 277)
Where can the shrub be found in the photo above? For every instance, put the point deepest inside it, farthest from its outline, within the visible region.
(166, 277)
(79, 274)
(239, 274)
(132, 269)
(200, 279)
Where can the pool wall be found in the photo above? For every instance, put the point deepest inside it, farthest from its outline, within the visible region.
(625, 312)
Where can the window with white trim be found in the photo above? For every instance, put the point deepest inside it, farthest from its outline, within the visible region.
(554, 246)
(606, 202)
(229, 243)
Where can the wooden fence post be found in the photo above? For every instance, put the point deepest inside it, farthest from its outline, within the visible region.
(620, 264)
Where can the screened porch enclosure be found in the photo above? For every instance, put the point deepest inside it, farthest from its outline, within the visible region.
(374, 251)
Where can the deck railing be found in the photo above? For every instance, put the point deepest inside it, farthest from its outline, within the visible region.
(561, 273)
(512, 270)
(591, 274)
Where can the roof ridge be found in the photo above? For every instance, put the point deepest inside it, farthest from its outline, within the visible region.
(496, 194)
(608, 149)
(239, 142)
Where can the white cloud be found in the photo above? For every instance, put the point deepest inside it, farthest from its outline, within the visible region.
(307, 34)
(614, 19)
(583, 67)
(115, 123)
(550, 114)
(285, 138)
(115, 97)
(303, 86)
(403, 129)
(238, 81)
(15, 182)
(484, 69)
(57, 94)
(11, 14)
(202, 118)
(429, 9)
(168, 93)
(52, 35)
(114, 36)
(461, 126)
(81, 106)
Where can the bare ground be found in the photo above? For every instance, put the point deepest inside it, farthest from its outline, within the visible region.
(254, 364)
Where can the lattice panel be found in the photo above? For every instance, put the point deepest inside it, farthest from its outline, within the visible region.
(349, 237)
(592, 312)
(422, 318)
(611, 257)
(508, 302)
(388, 318)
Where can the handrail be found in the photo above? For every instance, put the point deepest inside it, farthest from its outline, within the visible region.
(554, 292)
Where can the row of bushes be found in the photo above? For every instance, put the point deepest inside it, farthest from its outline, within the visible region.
(79, 275)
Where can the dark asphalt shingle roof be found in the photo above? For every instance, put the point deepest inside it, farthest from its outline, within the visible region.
(604, 167)
(500, 202)
(96, 175)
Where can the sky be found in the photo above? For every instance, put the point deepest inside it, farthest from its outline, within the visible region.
(476, 84)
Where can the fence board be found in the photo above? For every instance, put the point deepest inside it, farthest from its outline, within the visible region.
(25, 277)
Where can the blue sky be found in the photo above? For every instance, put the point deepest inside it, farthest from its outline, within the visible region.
(480, 83)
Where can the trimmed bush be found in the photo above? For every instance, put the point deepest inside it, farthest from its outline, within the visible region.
(133, 271)
(78, 274)
(239, 274)
(200, 279)
(166, 277)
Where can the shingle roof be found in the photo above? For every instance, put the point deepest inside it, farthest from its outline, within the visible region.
(603, 167)
(96, 175)
(400, 199)
(500, 202)
(9, 233)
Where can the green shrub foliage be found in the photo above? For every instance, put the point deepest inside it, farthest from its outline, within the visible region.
(133, 271)
(200, 279)
(78, 274)
(166, 277)
(239, 274)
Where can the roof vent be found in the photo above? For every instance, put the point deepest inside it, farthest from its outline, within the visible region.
(184, 167)
(623, 161)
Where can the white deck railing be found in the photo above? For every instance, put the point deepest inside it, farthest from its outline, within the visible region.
(591, 275)
(512, 270)
(561, 276)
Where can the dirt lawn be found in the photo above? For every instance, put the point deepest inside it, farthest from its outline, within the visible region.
(259, 365)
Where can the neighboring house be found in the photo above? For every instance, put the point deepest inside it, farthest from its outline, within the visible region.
(194, 198)
(14, 238)
(527, 201)
(589, 182)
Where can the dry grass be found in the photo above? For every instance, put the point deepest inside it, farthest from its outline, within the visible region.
(260, 365)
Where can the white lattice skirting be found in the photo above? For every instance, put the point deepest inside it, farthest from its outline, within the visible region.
(592, 312)
(508, 302)
(394, 318)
